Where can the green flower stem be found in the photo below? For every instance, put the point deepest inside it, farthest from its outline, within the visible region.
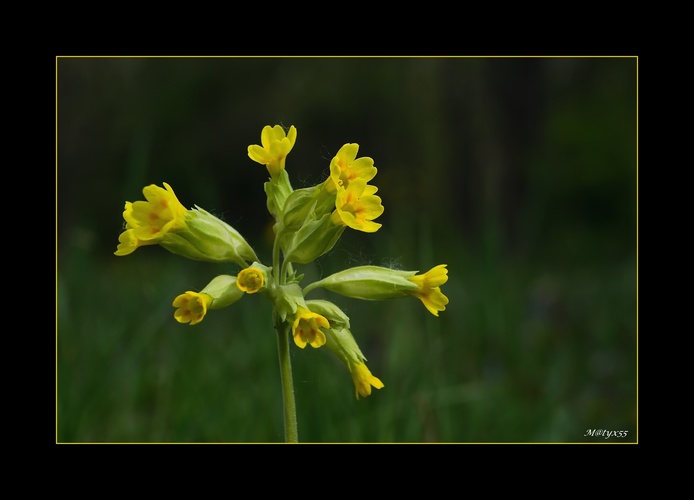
(276, 261)
(284, 272)
(291, 434)
(312, 286)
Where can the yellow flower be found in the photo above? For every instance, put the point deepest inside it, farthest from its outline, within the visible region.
(276, 145)
(363, 379)
(429, 291)
(195, 234)
(219, 293)
(147, 222)
(192, 307)
(346, 167)
(250, 280)
(306, 328)
(357, 206)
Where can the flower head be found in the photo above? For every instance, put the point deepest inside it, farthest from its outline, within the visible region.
(346, 167)
(276, 145)
(363, 379)
(192, 307)
(147, 222)
(357, 206)
(306, 328)
(428, 288)
(250, 280)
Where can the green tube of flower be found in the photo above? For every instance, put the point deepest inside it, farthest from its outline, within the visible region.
(368, 283)
(277, 190)
(195, 234)
(224, 291)
(313, 239)
(213, 238)
(381, 283)
(191, 307)
(340, 341)
(307, 204)
(286, 299)
(337, 318)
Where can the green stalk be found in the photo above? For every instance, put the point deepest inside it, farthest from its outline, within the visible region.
(312, 286)
(291, 433)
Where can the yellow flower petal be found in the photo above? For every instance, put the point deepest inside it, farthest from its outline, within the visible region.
(128, 243)
(191, 307)
(357, 206)
(429, 291)
(148, 221)
(434, 301)
(345, 167)
(276, 145)
(306, 328)
(364, 380)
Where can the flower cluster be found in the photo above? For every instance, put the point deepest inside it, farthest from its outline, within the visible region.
(308, 223)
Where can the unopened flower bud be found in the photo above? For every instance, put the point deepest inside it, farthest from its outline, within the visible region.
(313, 239)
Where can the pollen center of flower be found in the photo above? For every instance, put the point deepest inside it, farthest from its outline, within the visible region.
(354, 208)
(250, 280)
(310, 331)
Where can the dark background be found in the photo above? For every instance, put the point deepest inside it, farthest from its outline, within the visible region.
(519, 173)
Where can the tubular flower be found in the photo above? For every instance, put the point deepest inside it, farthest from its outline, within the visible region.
(195, 234)
(223, 291)
(346, 167)
(250, 280)
(429, 291)
(357, 206)
(363, 379)
(192, 307)
(306, 328)
(368, 283)
(276, 145)
(219, 293)
(340, 341)
(147, 222)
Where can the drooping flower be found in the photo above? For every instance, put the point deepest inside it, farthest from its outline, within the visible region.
(192, 307)
(363, 379)
(276, 145)
(345, 167)
(147, 222)
(250, 280)
(307, 328)
(357, 206)
(340, 341)
(429, 291)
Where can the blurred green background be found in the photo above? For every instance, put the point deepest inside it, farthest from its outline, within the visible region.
(519, 173)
